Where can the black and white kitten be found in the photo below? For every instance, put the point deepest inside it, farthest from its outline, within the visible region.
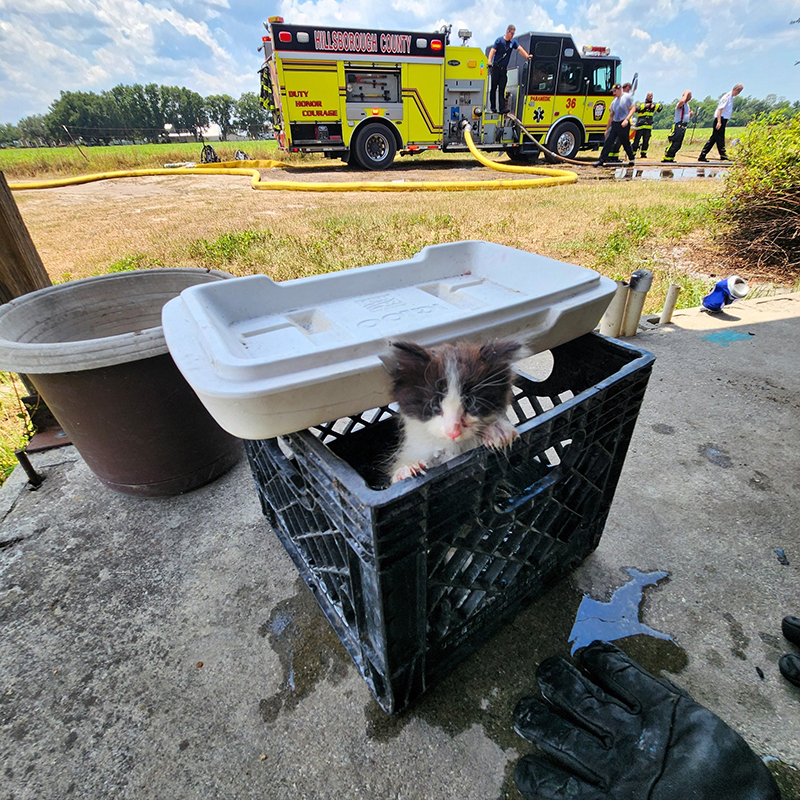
(452, 398)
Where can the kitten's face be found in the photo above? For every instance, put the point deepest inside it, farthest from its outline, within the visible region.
(455, 390)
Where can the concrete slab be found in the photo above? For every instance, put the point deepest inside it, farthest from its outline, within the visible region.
(168, 648)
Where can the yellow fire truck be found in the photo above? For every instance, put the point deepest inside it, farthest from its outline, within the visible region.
(365, 95)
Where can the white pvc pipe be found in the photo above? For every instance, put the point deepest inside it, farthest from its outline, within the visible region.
(669, 303)
(641, 280)
(611, 324)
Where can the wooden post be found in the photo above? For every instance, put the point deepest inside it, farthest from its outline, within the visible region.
(21, 268)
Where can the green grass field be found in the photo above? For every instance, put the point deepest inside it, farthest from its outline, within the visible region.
(40, 162)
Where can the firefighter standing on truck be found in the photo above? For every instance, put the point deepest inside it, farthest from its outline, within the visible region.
(681, 122)
(644, 123)
(498, 59)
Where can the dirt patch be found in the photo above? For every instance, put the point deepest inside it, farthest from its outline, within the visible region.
(696, 256)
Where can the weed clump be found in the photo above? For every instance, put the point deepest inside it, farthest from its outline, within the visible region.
(759, 210)
(134, 262)
(229, 248)
(14, 423)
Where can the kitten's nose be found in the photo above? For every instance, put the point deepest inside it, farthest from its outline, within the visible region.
(454, 430)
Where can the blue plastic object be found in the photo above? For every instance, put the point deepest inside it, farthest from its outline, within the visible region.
(724, 293)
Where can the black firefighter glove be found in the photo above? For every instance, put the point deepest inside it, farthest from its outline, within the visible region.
(614, 732)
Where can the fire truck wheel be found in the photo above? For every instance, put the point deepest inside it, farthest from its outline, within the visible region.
(566, 140)
(375, 146)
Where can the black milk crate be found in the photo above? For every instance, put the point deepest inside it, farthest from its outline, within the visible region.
(414, 577)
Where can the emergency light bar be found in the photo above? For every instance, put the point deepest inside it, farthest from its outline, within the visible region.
(346, 41)
(596, 51)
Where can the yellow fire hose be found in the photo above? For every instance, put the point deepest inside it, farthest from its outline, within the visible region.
(551, 177)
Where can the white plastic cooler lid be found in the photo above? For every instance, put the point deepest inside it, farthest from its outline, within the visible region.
(269, 358)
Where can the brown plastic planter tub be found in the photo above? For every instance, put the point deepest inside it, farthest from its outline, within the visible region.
(95, 351)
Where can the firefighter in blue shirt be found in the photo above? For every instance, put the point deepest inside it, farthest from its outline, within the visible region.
(498, 59)
(644, 123)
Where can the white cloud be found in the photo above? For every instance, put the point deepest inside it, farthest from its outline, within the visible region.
(638, 33)
(415, 7)
(666, 54)
(323, 12)
(538, 19)
(232, 83)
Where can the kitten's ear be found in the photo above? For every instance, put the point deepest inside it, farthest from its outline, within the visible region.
(504, 350)
(403, 356)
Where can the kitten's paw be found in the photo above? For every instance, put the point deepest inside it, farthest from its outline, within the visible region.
(409, 471)
(499, 434)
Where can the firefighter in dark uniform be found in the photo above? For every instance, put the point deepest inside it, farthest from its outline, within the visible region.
(498, 59)
(681, 122)
(644, 123)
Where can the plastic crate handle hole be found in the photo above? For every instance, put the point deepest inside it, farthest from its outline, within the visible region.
(571, 450)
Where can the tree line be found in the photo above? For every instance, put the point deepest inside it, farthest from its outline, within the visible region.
(136, 114)
(140, 113)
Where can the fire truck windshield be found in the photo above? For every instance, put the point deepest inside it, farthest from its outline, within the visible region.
(604, 76)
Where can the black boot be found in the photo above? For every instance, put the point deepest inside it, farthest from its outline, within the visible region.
(790, 627)
(789, 665)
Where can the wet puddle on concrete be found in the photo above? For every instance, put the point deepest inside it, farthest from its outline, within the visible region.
(726, 338)
(619, 617)
(485, 688)
(308, 649)
(716, 455)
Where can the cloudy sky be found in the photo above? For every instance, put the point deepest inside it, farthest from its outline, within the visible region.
(210, 46)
